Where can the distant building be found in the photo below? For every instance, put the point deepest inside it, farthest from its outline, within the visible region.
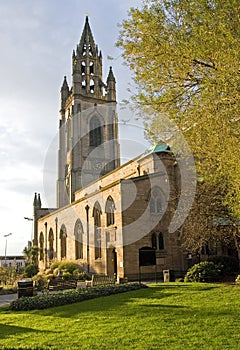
(17, 261)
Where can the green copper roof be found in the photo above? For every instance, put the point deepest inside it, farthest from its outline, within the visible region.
(160, 147)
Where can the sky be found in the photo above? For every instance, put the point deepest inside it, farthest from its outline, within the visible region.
(37, 38)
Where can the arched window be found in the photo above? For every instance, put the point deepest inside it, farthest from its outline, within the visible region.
(154, 241)
(84, 49)
(109, 209)
(41, 243)
(152, 206)
(97, 230)
(63, 242)
(91, 68)
(156, 200)
(95, 134)
(78, 233)
(92, 86)
(83, 68)
(161, 241)
(50, 240)
(158, 205)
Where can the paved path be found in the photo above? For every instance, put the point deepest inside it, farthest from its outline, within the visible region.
(7, 299)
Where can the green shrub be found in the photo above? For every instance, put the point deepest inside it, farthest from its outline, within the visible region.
(67, 266)
(69, 297)
(31, 270)
(55, 265)
(66, 275)
(40, 281)
(205, 271)
(229, 264)
(81, 276)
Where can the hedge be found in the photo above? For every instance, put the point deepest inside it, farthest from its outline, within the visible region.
(69, 297)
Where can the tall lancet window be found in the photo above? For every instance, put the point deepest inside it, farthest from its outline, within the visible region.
(50, 240)
(95, 134)
(156, 201)
(110, 207)
(63, 242)
(97, 230)
(41, 242)
(78, 233)
(91, 68)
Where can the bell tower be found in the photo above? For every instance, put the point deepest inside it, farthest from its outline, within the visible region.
(88, 129)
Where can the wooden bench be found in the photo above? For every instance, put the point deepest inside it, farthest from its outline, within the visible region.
(61, 284)
(100, 280)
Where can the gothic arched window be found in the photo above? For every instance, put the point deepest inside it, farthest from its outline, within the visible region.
(91, 67)
(154, 241)
(92, 86)
(50, 240)
(160, 241)
(97, 230)
(63, 242)
(95, 134)
(156, 201)
(84, 84)
(78, 233)
(109, 209)
(84, 49)
(41, 242)
(83, 68)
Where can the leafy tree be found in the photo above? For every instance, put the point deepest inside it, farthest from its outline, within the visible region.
(31, 255)
(8, 275)
(26, 253)
(31, 270)
(208, 223)
(185, 59)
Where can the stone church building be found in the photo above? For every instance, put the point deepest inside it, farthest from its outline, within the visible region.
(112, 218)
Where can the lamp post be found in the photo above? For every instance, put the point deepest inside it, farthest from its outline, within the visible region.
(6, 236)
(29, 219)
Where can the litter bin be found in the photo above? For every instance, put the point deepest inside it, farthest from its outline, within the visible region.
(121, 280)
(25, 288)
(166, 276)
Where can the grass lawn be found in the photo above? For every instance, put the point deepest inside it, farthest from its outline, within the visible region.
(163, 316)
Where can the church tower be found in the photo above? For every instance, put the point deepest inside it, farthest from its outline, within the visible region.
(88, 129)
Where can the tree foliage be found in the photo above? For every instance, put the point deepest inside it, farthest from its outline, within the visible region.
(185, 59)
(31, 255)
(208, 226)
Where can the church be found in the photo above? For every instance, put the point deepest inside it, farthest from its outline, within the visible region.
(111, 218)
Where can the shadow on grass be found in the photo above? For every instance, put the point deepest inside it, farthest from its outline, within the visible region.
(4, 310)
(7, 330)
(113, 302)
(164, 306)
(190, 285)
